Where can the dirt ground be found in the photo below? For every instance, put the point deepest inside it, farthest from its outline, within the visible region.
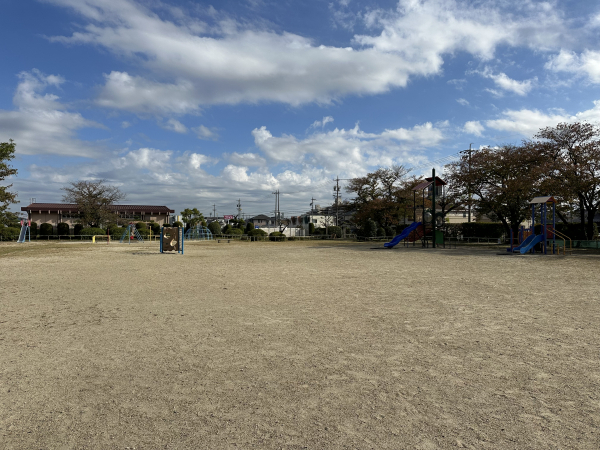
(296, 345)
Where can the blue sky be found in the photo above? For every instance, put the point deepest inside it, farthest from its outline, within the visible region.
(192, 103)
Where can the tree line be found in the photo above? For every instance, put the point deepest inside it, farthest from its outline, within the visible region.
(562, 161)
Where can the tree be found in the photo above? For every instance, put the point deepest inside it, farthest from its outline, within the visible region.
(192, 217)
(384, 196)
(503, 181)
(7, 152)
(93, 200)
(574, 152)
(214, 227)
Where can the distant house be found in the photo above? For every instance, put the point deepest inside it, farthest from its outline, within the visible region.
(262, 221)
(55, 213)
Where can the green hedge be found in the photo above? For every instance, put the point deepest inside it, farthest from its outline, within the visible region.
(46, 229)
(33, 229)
(257, 232)
(92, 231)
(62, 229)
(116, 231)
(77, 229)
(10, 232)
(276, 236)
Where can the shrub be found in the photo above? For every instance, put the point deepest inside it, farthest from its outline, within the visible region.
(178, 224)
(249, 227)
(390, 231)
(62, 229)
(335, 230)
(291, 238)
(77, 229)
(380, 232)
(227, 229)
(155, 228)
(141, 226)
(311, 228)
(276, 236)
(10, 232)
(370, 228)
(257, 232)
(236, 231)
(215, 228)
(33, 229)
(116, 231)
(46, 229)
(92, 231)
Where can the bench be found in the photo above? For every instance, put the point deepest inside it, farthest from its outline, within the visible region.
(219, 240)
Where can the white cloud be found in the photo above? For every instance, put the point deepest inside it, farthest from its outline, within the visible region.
(506, 83)
(247, 159)
(191, 66)
(462, 101)
(348, 151)
(474, 127)
(41, 125)
(125, 124)
(527, 122)
(322, 123)
(206, 133)
(174, 125)
(586, 64)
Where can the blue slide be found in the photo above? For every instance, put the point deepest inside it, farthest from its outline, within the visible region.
(536, 240)
(22, 233)
(409, 229)
(526, 242)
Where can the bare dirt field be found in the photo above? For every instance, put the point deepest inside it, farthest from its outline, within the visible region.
(296, 345)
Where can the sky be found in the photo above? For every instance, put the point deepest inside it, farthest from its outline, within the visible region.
(193, 104)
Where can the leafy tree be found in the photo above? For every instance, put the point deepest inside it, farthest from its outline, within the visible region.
(503, 180)
(191, 217)
(249, 227)
(7, 152)
(574, 152)
(177, 224)
(370, 228)
(384, 196)
(214, 227)
(93, 199)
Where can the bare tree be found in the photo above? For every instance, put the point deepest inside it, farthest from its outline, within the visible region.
(93, 200)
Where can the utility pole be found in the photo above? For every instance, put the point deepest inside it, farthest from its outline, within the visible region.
(239, 208)
(469, 188)
(337, 200)
(215, 210)
(277, 214)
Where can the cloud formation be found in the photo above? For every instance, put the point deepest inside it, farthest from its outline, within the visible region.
(40, 124)
(194, 64)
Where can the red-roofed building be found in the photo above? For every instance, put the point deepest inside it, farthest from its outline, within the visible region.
(55, 213)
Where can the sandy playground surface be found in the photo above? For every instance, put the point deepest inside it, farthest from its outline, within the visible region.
(296, 345)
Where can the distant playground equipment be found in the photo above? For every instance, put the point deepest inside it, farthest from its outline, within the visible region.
(425, 230)
(25, 232)
(198, 233)
(172, 239)
(528, 240)
(130, 234)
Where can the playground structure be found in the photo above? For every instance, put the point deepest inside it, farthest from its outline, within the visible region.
(172, 239)
(424, 230)
(25, 232)
(528, 240)
(198, 233)
(131, 233)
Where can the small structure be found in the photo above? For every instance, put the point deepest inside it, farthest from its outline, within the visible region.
(198, 233)
(171, 239)
(131, 233)
(528, 239)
